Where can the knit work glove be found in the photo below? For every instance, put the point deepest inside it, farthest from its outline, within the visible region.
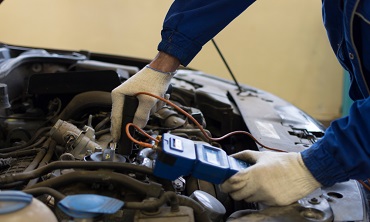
(275, 178)
(146, 80)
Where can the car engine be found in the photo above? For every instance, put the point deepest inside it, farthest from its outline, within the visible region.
(57, 151)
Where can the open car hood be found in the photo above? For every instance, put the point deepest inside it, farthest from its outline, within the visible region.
(54, 133)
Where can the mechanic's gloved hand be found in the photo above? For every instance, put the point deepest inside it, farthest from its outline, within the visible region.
(146, 80)
(274, 179)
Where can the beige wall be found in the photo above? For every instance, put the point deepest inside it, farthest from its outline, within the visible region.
(278, 46)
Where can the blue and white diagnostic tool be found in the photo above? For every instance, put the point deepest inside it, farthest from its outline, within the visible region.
(176, 158)
(182, 157)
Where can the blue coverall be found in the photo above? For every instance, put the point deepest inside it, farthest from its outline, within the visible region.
(344, 152)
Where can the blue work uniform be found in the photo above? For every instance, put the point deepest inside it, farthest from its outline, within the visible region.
(344, 152)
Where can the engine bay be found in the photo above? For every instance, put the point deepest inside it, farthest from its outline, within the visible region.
(56, 144)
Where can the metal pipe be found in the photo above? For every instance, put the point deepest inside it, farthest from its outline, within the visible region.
(150, 189)
(51, 144)
(35, 162)
(116, 166)
(20, 153)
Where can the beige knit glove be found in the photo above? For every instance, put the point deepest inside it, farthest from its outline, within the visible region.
(274, 179)
(146, 80)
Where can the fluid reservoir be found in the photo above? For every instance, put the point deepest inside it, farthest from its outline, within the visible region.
(18, 206)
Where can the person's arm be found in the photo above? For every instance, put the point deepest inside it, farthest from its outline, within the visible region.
(164, 62)
(344, 152)
(189, 24)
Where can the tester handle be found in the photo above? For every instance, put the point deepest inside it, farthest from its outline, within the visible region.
(125, 145)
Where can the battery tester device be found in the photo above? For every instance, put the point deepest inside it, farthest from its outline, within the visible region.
(182, 157)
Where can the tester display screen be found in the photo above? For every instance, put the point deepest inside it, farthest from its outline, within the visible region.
(211, 155)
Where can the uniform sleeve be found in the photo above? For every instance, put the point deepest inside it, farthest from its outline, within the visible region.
(189, 24)
(344, 152)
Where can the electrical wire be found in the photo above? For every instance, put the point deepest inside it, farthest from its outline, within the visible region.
(143, 144)
(195, 122)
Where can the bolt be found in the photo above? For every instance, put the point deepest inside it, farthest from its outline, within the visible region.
(314, 201)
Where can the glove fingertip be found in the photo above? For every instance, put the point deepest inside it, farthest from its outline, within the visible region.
(236, 196)
(116, 115)
(239, 178)
(115, 131)
(234, 183)
(226, 187)
(115, 137)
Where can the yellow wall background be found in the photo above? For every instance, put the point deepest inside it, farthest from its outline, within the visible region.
(277, 45)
